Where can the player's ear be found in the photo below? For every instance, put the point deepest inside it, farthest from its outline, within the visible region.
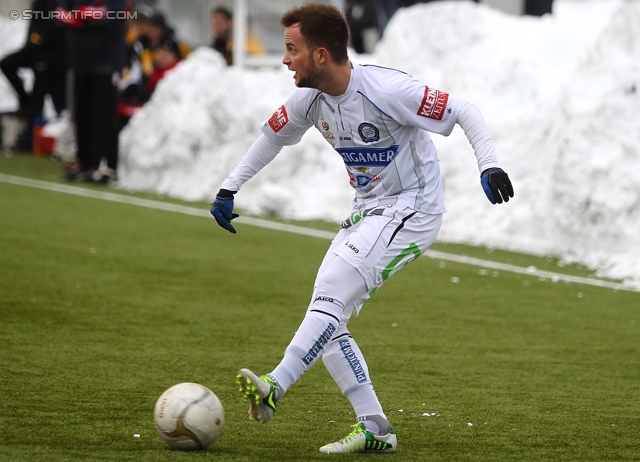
(323, 55)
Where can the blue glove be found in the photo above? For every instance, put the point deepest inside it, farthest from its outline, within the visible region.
(222, 210)
(496, 185)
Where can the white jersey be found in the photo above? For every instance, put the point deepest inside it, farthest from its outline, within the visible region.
(379, 127)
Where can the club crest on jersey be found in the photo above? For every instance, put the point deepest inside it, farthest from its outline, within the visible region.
(279, 119)
(433, 104)
(368, 132)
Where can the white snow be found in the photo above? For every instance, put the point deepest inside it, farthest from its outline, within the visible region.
(560, 94)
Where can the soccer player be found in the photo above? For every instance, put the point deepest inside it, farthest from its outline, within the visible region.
(377, 120)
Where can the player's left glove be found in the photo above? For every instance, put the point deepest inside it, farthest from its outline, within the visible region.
(497, 185)
(222, 210)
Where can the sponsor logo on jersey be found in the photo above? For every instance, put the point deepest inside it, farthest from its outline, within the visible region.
(319, 345)
(368, 157)
(368, 132)
(362, 181)
(279, 119)
(433, 104)
(352, 359)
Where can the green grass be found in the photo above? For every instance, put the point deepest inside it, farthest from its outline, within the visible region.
(105, 305)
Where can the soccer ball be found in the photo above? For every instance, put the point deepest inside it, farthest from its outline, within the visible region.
(189, 416)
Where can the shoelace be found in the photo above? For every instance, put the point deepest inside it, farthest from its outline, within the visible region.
(269, 380)
(357, 429)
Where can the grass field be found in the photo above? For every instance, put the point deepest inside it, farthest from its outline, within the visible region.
(104, 305)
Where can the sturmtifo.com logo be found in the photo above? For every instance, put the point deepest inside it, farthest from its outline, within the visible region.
(93, 14)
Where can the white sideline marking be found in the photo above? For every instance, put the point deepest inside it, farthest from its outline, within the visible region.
(113, 197)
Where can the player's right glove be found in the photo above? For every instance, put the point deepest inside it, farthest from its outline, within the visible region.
(497, 185)
(222, 209)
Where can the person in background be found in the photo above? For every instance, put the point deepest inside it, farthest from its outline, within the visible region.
(97, 52)
(222, 28)
(44, 53)
(362, 19)
(136, 89)
(154, 31)
(132, 84)
(378, 121)
(167, 57)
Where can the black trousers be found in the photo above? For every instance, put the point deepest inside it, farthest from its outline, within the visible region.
(538, 7)
(49, 78)
(95, 101)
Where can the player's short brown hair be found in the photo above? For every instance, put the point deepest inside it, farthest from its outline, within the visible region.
(321, 25)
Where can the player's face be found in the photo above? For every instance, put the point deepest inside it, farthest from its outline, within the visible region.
(300, 59)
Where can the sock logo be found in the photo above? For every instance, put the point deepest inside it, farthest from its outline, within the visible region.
(320, 343)
(352, 359)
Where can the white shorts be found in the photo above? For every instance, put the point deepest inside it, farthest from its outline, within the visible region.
(381, 241)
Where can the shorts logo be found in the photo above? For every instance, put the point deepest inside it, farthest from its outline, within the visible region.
(368, 132)
(433, 104)
(319, 345)
(352, 247)
(279, 119)
(353, 361)
(320, 298)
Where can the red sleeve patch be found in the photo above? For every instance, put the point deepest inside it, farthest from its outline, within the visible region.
(433, 104)
(279, 119)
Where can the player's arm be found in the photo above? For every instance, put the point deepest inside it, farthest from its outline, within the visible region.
(438, 112)
(495, 181)
(285, 127)
(261, 152)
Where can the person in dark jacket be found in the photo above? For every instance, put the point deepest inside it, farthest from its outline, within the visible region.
(44, 53)
(96, 35)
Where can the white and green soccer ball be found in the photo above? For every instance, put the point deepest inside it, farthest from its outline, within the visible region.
(189, 416)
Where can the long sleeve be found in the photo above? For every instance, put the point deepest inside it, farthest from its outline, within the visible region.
(475, 128)
(261, 152)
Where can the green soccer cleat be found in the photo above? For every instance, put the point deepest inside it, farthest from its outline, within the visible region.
(360, 440)
(261, 393)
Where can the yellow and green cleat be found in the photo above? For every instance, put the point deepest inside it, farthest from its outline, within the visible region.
(361, 440)
(261, 393)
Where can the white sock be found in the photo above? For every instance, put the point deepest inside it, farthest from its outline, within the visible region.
(347, 366)
(315, 331)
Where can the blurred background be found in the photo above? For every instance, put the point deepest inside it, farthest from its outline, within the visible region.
(191, 17)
